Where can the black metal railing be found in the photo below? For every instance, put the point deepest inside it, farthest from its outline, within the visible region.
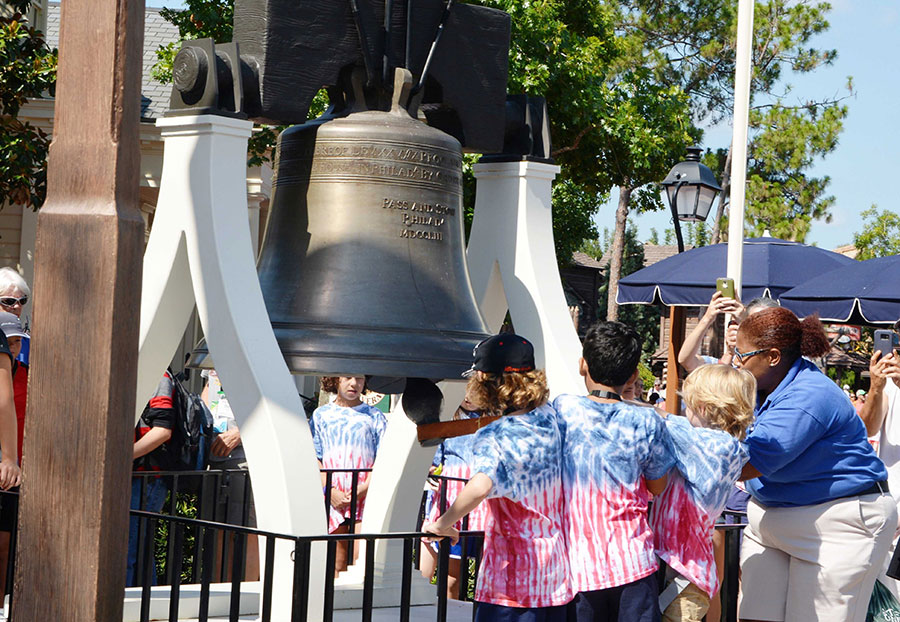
(189, 550)
(302, 571)
(205, 495)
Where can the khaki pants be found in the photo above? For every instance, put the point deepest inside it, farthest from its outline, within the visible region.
(816, 562)
(689, 606)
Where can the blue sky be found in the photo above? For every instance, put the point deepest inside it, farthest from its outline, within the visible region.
(863, 169)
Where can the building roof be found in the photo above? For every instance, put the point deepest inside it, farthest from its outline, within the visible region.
(652, 253)
(157, 32)
(848, 250)
(584, 260)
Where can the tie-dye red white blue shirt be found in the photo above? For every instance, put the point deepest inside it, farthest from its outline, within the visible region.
(346, 438)
(608, 452)
(524, 562)
(708, 464)
(455, 457)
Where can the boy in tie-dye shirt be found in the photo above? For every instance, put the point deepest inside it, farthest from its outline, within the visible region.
(709, 457)
(524, 572)
(615, 454)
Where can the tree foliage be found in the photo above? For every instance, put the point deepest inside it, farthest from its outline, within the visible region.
(880, 235)
(27, 69)
(643, 318)
(692, 43)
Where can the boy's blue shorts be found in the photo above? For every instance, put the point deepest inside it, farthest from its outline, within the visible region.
(456, 549)
(632, 602)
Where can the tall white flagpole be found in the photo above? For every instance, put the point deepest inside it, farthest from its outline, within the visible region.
(742, 71)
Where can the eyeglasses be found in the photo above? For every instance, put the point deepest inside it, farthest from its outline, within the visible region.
(9, 301)
(745, 355)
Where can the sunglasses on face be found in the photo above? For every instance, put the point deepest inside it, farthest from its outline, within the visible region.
(9, 301)
(745, 355)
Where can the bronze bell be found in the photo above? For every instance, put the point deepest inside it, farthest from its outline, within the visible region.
(363, 266)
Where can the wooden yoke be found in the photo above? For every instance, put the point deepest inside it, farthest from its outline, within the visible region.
(74, 512)
(449, 429)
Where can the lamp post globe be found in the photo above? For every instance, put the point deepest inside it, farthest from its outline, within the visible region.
(691, 189)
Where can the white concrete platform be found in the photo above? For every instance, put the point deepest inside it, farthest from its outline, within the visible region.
(220, 602)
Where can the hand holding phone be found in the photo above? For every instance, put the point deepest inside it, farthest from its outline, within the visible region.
(726, 287)
(884, 342)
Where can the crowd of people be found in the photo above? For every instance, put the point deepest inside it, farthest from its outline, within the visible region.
(580, 497)
(820, 517)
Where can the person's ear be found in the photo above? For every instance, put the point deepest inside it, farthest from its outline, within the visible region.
(774, 357)
(583, 368)
(634, 376)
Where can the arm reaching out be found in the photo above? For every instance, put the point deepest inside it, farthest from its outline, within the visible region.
(875, 408)
(689, 355)
(476, 491)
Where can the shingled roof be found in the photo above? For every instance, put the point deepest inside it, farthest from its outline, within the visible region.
(585, 261)
(652, 253)
(157, 32)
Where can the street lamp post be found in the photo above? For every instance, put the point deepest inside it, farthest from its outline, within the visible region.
(691, 189)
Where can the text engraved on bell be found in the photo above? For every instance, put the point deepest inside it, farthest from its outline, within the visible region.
(421, 214)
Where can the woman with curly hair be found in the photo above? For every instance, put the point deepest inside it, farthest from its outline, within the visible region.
(346, 435)
(517, 468)
(820, 518)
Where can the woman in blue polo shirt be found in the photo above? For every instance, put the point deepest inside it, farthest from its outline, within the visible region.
(820, 521)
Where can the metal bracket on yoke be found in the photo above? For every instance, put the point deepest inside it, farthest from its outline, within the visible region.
(210, 78)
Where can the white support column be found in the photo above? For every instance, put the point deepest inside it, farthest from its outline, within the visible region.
(512, 264)
(200, 250)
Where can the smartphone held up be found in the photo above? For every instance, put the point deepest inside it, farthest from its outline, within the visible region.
(885, 341)
(725, 286)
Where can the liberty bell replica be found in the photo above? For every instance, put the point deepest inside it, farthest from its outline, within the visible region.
(363, 265)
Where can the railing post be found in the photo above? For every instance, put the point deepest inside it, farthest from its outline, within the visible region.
(443, 569)
(369, 581)
(300, 604)
(328, 604)
(267, 579)
(730, 583)
(406, 581)
(176, 532)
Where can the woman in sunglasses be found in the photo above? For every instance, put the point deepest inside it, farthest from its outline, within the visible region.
(14, 295)
(820, 518)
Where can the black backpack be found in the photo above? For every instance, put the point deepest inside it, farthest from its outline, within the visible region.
(193, 433)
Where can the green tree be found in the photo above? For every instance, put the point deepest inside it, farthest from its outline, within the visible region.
(691, 43)
(27, 69)
(880, 236)
(643, 318)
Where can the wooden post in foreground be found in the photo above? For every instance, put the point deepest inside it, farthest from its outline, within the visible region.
(74, 511)
(676, 339)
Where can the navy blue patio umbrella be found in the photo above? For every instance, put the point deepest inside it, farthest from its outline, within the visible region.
(771, 267)
(865, 292)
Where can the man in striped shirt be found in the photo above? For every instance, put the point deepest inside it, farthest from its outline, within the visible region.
(615, 454)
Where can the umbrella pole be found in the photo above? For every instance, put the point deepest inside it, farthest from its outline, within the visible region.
(676, 339)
